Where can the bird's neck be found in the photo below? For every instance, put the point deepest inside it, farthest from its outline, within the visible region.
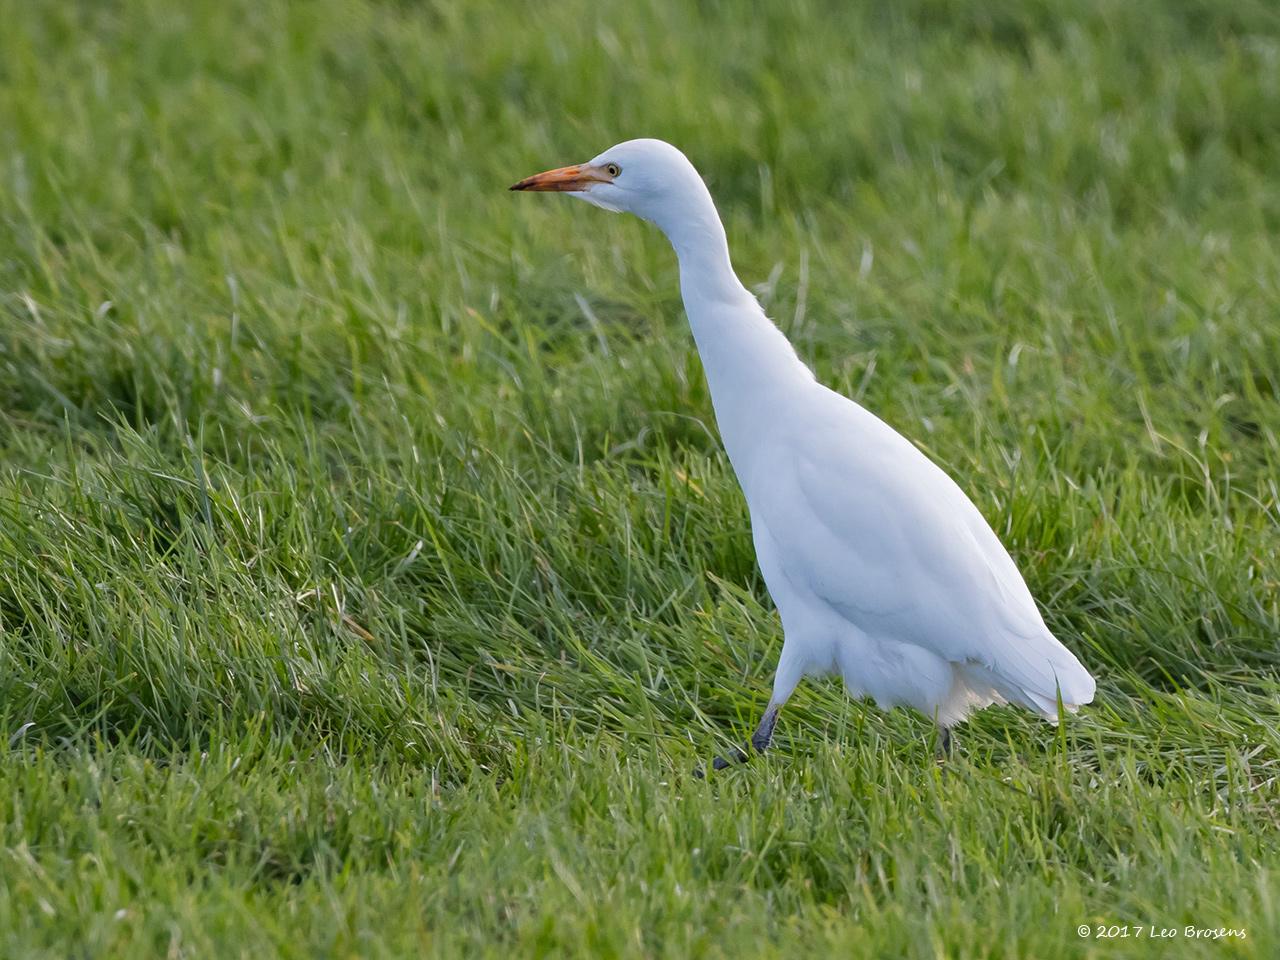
(751, 368)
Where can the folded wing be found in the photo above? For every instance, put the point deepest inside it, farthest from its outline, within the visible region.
(890, 542)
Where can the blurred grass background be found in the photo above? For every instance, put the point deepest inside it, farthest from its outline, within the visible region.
(371, 578)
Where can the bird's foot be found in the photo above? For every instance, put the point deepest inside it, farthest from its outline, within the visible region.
(738, 755)
(758, 743)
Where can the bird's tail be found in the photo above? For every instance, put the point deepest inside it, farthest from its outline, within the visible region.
(1065, 677)
(1073, 684)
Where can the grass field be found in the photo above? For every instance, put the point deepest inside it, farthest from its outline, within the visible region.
(371, 577)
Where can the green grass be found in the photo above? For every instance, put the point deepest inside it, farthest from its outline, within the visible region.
(371, 578)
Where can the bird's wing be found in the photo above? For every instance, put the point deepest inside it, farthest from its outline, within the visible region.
(888, 540)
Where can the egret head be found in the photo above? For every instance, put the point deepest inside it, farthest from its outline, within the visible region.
(649, 178)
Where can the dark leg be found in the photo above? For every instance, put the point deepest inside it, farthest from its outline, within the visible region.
(944, 743)
(764, 732)
(760, 740)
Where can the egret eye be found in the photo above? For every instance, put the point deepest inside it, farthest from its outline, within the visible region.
(612, 169)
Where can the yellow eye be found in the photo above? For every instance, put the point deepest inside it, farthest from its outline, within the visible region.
(612, 169)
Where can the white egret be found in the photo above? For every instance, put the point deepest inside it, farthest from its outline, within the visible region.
(881, 567)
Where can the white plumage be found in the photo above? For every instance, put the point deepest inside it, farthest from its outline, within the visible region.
(882, 569)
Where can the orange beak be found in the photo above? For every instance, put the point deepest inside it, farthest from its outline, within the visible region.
(564, 179)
